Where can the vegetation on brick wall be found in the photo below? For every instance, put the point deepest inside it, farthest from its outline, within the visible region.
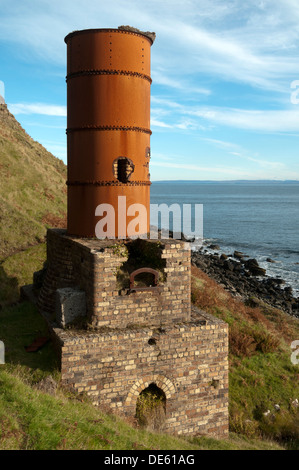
(151, 408)
(142, 254)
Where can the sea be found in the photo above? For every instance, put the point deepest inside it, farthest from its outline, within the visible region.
(260, 219)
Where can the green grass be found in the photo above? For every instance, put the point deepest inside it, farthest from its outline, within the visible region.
(32, 188)
(34, 420)
(19, 326)
(261, 374)
(17, 270)
(257, 384)
(31, 419)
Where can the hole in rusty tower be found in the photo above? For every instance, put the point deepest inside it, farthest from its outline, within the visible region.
(151, 408)
(123, 168)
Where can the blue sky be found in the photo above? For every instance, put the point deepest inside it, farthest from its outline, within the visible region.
(225, 91)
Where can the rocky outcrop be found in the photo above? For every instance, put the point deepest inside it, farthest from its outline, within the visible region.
(245, 278)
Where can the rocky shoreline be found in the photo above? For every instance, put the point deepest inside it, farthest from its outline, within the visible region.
(243, 277)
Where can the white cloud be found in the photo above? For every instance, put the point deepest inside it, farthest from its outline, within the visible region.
(254, 43)
(247, 43)
(237, 151)
(280, 120)
(207, 54)
(262, 163)
(160, 78)
(190, 166)
(257, 120)
(193, 171)
(37, 108)
(2, 89)
(157, 123)
(57, 149)
(222, 144)
(165, 103)
(267, 163)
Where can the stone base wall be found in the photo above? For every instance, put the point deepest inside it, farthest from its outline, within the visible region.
(136, 339)
(188, 361)
(92, 266)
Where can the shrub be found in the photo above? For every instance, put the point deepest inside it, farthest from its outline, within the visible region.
(245, 342)
(239, 424)
(282, 427)
(151, 407)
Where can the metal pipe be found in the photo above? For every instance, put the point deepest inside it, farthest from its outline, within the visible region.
(108, 123)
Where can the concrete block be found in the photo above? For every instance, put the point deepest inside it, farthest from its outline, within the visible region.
(70, 304)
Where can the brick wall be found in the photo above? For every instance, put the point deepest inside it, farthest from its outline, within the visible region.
(92, 265)
(188, 361)
(139, 338)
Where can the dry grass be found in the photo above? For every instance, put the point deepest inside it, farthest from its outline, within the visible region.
(32, 188)
(251, 328)
(54, 221)
(261, 372)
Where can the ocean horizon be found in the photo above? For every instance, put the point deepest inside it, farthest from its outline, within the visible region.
(258, 218)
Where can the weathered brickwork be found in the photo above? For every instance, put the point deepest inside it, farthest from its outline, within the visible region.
(188, 361)
(140, 338)
(92, 266)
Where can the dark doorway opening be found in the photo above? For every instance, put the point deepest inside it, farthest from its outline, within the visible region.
(151, 408)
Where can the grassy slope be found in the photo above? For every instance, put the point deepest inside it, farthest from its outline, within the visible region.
(261, 375)
(17, 270)
(32, 195)
(32, 419)
(32, 188)
(261, 372)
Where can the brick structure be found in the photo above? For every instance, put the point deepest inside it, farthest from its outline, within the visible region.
(134, 338)
(92, 265)
(130, 339)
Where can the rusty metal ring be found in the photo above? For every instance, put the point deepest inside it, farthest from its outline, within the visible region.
(108, 30)
(107, 183)
(154, 272)
(108, 128)
(83, 73)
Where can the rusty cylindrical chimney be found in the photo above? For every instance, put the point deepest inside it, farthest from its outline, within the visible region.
(108, 123)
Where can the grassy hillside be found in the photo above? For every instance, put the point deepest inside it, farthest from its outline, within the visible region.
(263, 386)
(30, 418)
(32, 188)
(262, 378)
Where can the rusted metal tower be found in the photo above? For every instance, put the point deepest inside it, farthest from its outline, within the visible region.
(108, 123)
(125, 305)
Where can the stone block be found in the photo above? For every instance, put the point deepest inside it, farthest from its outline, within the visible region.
(70, 304)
